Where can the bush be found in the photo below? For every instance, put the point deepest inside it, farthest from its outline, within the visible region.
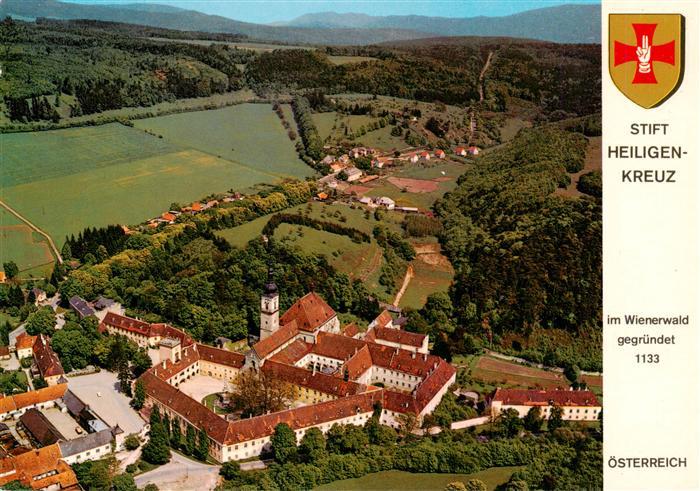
(591, 183)
(132, 442)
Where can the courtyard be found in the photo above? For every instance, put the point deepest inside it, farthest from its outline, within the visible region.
(200, 386)
(100, 392)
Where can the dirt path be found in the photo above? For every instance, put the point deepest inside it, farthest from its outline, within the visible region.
(481, 76)
(406, 280)
(36, 229)
(374, 263)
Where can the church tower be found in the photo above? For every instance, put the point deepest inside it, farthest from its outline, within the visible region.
(269, 308)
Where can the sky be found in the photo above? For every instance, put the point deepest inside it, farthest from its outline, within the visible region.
(268, 11)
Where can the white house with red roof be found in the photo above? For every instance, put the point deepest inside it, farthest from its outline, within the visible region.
(577, 405)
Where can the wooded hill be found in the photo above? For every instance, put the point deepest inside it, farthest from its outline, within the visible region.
(525, 259)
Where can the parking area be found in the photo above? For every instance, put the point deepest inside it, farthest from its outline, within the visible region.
(200, 386)
(100, 392)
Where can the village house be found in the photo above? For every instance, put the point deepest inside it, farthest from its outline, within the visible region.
(39, 295)
(353, 174)
(577, 405)
(473, 151)
(39, 469)
(439, 153)
(461, 151)
(46, 361)
(386, 202)
(24, 345)
(425, 156)
(81, 307)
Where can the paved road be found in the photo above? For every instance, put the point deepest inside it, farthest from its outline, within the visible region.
(181, 474)
(36, 229)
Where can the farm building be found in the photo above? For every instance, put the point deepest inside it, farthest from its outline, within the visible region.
(579, 405)
(386, 202)
(353, 174)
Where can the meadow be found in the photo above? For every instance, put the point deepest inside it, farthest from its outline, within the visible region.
(432, 272)
(66, 180)
(21, 244)
(250, 135)
(332, 125)
(399, 480)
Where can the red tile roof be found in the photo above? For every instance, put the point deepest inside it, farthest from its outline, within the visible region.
(351, 330)
(524, 397)
(383, 320)
(220, 356)
(25, 341)
(26, 467)
(142, 328)
(26, 399)
(310, 312)
(398, 336)
(313, 380)
(292, 353)
(46, 359)
(358, 364)
(166, 369)
(431, 385)
(278, 338)
(336, 346)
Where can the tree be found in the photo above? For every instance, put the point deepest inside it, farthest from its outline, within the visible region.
(124, 482)
(510, 422)
(139, 395)
(533, 419)
(555, 420)
(258, 393)
(284, 443)
(156, 450)
(66, 253)
(72, 346)
(190, 440)
(455, 486)
(202, 450)
(42, 321)
(572, 372)
(11, 269)
(313, 446)
(132, 442)
(475, 485)
(175, 434)
(230, 471)
(39, 383)
(124, 376)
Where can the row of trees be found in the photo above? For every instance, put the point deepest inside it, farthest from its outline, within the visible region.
(299, 219)
(311, 141)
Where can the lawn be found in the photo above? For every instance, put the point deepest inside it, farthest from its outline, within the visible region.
(21, 244)
(399, 480)
(241, 235)
(209, 401)
(250, 135)
(13, 382)
(382, 139)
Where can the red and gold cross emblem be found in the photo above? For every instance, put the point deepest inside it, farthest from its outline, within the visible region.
(646, 56)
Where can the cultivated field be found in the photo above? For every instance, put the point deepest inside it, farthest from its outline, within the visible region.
(66, 180)
(504, 373)
(21, 244)
(250, 135)
(399, 480)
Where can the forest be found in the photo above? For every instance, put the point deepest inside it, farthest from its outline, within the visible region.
(91, 67)
(525, 260)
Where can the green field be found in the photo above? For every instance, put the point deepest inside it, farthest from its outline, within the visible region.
(333, 124)
(247, 134)
(382, 139)
(21, 244)
(432, 273)
(69, 179)
(398, 480)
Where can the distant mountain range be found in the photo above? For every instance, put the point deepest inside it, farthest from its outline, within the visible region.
(567, 23)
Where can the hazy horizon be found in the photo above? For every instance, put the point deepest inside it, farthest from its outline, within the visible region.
(272, 11)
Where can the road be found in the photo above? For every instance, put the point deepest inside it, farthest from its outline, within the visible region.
(481, 76)
(181, 474)
(36, 229)
(406, 280)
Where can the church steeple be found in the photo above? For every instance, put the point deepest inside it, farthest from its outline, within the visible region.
(269, 307)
